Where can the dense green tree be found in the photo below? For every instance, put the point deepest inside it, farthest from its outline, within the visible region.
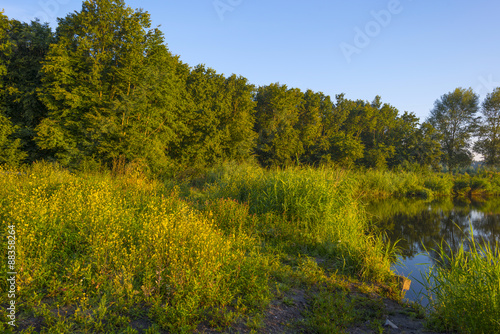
(219, 119)
(344, 142)
(29, 45)
(10, 152)
(454, 117)
(5, 45)
(405, 134)
(488, 143)
(241, 118)
(381, 120)
(312, 125)
(427, 150)
(106, 86)
(202, 144)
(414, 144)
(277, 124)
(111, 88)
(10, 147)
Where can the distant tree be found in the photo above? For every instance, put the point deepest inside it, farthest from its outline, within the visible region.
(427, 150)
(202, 144)
(277, 124)
(405, 134)
(5, 45)
(488, 143)
(415, 144)
(111, 88)
(454, 117)
(365, 132)
(10, 147)
(240, 119)
(377, 139)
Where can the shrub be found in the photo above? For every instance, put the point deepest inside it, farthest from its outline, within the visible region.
(461, 185)
(480, 185)
(440, 184)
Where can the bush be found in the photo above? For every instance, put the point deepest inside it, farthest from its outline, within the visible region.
(105, 245)
(440, 184)
(461, 185)
(419, 192)
(480, 185)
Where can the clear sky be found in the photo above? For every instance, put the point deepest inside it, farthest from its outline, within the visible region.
(410, 52)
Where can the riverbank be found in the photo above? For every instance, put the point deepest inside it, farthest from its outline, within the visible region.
(384, 184)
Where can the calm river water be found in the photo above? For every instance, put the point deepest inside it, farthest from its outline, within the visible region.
(421, 225)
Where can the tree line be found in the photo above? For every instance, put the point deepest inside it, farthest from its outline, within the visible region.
(104, 86)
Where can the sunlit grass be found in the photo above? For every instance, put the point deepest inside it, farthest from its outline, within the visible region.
(100, 246)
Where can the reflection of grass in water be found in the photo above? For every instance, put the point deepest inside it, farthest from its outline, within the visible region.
(463, 289)
(486, 205)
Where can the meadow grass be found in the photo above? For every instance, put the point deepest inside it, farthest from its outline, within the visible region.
(463, 289)
(108, 250)
(118, 252)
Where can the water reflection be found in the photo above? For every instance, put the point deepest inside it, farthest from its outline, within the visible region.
(421, 224)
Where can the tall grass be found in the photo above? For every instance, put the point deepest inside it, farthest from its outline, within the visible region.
(464, 289)
(312, 211)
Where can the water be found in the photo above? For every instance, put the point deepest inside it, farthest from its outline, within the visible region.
(421, 225)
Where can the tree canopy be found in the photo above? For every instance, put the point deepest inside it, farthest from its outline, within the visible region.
(488, 143)
(454, 116)
(109, 85)
(104, 86)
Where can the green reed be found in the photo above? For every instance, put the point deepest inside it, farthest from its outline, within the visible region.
(463, 288)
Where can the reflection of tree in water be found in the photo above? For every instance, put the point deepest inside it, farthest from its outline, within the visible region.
(487, 228)
(418, 224)
(486, 220)
(411, 230)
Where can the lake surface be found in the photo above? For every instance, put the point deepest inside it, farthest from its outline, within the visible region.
(421, 225)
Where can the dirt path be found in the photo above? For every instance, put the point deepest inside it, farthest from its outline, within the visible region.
(335, 307)
(291, 317)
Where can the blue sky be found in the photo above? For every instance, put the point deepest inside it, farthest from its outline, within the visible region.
(410, 52)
